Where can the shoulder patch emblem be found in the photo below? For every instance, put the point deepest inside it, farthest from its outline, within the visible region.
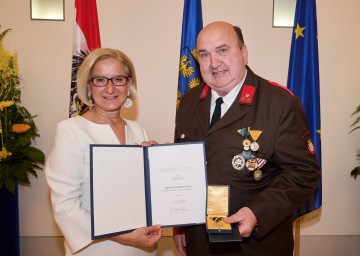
(282, 87)
(306, 137)
(311, 147)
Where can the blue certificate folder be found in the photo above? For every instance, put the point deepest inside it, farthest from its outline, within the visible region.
(133, 186)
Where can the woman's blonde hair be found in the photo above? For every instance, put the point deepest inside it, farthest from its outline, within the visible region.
(83, 74)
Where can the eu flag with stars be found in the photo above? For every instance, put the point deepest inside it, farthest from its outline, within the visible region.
(189, 71)
(303, 81)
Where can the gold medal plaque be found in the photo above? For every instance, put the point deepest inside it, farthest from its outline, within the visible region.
(217, 209)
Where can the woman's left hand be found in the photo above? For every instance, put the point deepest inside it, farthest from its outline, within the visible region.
(145, 237)
(148, 143)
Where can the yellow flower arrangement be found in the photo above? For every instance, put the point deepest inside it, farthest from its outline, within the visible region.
(18, 158)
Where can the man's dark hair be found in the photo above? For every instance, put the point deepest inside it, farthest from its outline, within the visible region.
(239, 36)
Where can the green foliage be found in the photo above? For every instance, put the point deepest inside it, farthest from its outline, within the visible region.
(18, 159)
(355, 126)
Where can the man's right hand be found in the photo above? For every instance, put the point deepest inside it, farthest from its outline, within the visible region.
(179, 239)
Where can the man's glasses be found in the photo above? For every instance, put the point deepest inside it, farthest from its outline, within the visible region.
(100, 81)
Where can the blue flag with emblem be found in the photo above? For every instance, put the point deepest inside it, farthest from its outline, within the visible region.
(303, 81)
(189, 71)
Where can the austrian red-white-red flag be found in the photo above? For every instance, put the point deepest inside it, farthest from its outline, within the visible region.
(86, 39)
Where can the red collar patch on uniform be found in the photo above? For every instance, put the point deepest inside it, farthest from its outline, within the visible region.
(204, 92)
(281, 86)
(247, 94)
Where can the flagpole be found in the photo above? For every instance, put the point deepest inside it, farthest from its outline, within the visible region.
(297, 237)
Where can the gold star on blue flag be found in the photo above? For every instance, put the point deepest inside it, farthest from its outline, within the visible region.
(303, 81)
(299, 31)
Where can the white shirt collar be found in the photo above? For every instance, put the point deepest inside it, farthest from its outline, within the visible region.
(228, 98)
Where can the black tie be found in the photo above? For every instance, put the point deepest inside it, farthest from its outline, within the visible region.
(217, 112)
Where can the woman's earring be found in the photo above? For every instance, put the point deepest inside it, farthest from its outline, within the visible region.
(90, 98)
(128, 102)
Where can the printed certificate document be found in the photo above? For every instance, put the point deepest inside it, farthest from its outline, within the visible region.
(134, 186)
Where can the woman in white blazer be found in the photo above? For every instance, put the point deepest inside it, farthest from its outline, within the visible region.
(106, 81)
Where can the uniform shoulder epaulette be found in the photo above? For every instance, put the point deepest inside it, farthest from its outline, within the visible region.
(282, 87)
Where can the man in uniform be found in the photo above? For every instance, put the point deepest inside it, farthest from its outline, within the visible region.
(260, 147)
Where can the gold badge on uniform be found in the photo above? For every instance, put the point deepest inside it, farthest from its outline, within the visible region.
(246, 143)
(258, 174)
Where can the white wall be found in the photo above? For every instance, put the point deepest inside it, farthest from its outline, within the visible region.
(149, 32)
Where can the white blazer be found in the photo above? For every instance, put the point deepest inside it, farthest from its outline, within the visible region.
(67, 172)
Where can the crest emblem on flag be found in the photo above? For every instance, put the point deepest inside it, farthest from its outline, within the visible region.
(189, 70)
(86, 39)
(77, 106)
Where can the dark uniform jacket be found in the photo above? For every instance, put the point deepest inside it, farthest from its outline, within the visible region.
(289, 172)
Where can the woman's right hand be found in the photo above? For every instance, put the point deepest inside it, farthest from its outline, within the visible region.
(145, 237)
